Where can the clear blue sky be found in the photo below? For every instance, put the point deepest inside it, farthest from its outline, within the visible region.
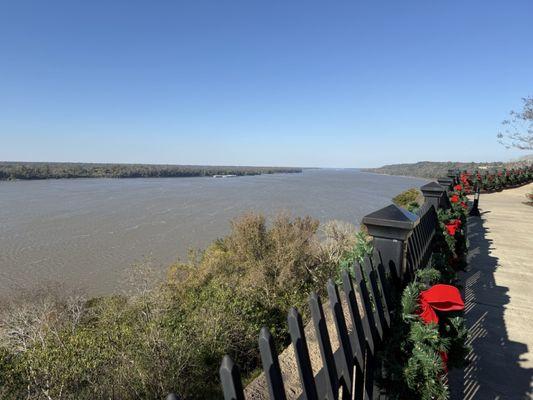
(338, 83)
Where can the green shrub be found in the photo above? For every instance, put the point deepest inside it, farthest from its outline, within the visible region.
(411, 199)
(361, 248)
(171, 336)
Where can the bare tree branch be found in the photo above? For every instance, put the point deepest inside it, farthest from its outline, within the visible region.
(517, 131)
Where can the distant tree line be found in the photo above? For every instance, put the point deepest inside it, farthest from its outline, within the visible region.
(431, 169)
(31, 170)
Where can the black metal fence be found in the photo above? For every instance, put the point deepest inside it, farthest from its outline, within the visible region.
(402, 244)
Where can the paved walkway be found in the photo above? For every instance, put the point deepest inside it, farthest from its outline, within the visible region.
(498, 289)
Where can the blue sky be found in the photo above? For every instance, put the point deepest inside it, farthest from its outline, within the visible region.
(304, 83)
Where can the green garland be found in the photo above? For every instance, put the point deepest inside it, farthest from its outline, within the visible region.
(490, 181)
(412, 359)
(411, 362)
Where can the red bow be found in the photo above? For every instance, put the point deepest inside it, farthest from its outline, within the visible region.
(452, 226)
(441, 298)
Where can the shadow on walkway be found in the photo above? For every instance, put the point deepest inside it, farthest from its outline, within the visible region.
(494, 371)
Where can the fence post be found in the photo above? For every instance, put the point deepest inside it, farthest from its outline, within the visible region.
(329, 388)
(230, 378)
(435, 195)
(446, 182)
(453, 174)
(474, 212)
(301, 352)
(390, 227)
(270, 361)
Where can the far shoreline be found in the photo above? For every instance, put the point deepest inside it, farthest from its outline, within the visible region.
(23, 171)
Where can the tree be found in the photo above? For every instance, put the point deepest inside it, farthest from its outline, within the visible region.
(518, 130)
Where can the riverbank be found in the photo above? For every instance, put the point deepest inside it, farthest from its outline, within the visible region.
(53, 170)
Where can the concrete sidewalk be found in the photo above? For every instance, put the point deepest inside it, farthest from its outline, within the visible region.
(498, 290)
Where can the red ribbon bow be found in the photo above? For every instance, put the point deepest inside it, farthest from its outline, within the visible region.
(452, 226)
(441, 298)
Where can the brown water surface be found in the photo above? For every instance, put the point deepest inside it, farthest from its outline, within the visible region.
(84, 233)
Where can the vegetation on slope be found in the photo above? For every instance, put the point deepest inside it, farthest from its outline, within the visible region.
(21, 170)
(410, 199)
(171, 336)
(430, 169)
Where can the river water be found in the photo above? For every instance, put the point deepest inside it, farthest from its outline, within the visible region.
(85, 233)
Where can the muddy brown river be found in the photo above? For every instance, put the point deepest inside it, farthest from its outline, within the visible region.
(85, 233)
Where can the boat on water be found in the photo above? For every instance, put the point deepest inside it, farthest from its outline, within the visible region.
(225, 176)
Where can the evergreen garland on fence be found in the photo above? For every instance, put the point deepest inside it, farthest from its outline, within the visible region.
(414, 361)
(491, 181)
(417, 356)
